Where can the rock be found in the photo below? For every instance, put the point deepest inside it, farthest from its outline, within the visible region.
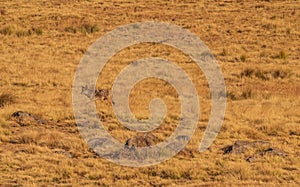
(241, 146)
(273, 151)
(268, 151)
(129, 150)
(95, 142)
(25, 118)
(20, 114)
(261, 149)
(141, 141)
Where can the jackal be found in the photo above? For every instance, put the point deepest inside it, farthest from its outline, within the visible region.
(102, 94)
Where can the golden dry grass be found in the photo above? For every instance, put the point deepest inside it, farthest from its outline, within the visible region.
(255, 42)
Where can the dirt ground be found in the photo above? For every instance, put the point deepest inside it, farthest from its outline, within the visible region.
(256, 44)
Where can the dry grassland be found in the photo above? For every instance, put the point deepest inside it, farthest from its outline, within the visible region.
(255, 42)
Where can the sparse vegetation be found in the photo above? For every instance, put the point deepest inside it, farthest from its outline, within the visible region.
(7, 31)
(224, 52)
(84, 28)
(280, 74)
(247, 73)
(6, 99)
(2, 12)
(246, 94)
(21, 32)
(71, 29)
(43, 42)
(231, 96)
(37, 31)
(243, 58)
(265, 74)
(89, 28)
(282, 55)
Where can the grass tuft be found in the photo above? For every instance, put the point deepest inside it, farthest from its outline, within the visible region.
(89, 28)
(247, 94)
(6, 99)
(37, 31)
(282, 55)
(71, 29)
(265, 74)
(224, 52)
(85, 28)
(247, 73)
(243, 58)
(29, 32)
(7, 31)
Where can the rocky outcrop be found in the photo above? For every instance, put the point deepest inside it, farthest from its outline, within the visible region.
(260, 149)
(241, 146)
(25, 119)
